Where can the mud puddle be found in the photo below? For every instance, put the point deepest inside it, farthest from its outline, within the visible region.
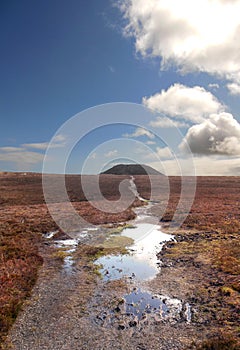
(141, 262)
(140, 308)
(67, 246)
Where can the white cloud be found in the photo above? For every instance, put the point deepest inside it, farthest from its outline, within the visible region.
(59, 138)
(111, 153)
(194, 35)
(189, 103)
(150, 143)
(21, 157)
(140, 132)
(164, 122)
(58, 141)
(220, 134)
(40, 146)
(93, 155)
(203, 166)
(213, 86)
(112, 69)
(164, 152)
(11, 149)
(234, 88)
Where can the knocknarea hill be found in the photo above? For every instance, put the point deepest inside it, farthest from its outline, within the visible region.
(132, 169)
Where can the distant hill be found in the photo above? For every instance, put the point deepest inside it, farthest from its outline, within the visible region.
(132, 169)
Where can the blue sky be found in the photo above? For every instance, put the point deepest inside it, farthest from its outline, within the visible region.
(59, 58)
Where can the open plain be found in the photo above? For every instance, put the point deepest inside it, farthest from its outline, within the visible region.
(43, 306)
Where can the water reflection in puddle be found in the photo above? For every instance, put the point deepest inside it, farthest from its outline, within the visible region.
(139, 303)
(141, 308)
(141, 262)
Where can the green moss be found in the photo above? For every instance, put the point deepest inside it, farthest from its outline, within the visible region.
(60, 255)
(119, 229)
(96, 269)
(227, 291)
(117, 243)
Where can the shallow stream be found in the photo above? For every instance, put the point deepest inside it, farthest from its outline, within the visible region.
(141, 264)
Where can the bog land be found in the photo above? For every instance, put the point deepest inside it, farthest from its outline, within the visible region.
(201, 266)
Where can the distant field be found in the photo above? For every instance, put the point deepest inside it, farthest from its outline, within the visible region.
(24, 215)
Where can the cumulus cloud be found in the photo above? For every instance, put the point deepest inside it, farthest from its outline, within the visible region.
(203, 166)
(189, 103)
(220, 134)
(194, 35)
(234, 88)
(140, 132)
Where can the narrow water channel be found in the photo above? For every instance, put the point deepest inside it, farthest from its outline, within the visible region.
(141, 264)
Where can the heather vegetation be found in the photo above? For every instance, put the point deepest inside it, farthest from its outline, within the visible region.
(206, 251)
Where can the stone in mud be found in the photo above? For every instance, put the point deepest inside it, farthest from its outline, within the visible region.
(117, 309)
(121, 301)
(121, 327)
(132, 323)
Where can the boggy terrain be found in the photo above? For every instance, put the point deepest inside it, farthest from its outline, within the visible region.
(202, 267)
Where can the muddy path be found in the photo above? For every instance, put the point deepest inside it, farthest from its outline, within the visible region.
(76, 305)
(83, 301)
(73, 308)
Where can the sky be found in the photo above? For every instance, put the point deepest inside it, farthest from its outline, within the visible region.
(88, 84)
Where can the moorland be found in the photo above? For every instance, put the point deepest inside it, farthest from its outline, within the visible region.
(202, 264)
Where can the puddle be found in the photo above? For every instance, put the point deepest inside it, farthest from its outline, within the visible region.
(142, 309)
(188, 313)
(68, 246)
(140, 303)
(133, 189)
(141, 263)
(50, 234)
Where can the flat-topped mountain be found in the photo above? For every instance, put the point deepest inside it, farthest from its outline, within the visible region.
(132, 169)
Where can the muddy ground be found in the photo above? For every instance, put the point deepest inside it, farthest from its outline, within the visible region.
(77, 310)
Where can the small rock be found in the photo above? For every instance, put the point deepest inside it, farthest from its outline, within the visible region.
(132, 323)
(121, 327)
(117, 309)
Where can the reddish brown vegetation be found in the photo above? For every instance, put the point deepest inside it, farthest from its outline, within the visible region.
(24, 216)
(19, 262)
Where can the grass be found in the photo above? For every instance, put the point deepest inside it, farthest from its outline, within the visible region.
(116, 244)
(60, 255)
(214, 260)
(219, 343)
